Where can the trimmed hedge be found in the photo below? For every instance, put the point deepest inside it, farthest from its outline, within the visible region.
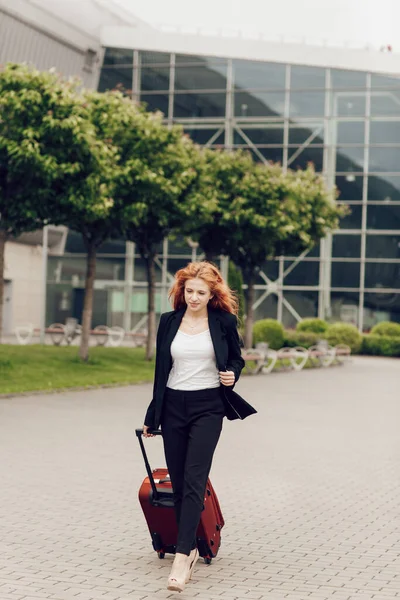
(381, 345)
(312, 325)
(386, 328)
(270, 331)
(301, 338)
(344, 333)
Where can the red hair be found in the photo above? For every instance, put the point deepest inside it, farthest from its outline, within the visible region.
(222, 296)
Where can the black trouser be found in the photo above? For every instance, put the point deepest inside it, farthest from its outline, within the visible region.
(191, 424)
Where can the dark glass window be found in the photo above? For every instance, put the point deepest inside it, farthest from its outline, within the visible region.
(345, 275)
(155, 102)
(352, 220)
(200, 78)
(383, 246)
(349, 159)
(384, 187)
(154, 78)
(380, 81)
(305, 304)
(118, 56)
(384, 159)
(274, 155)
(383, 217)
(199, 105)
(298, 158)
(349, 105)
(305, 273)
(347, 79)
(304, 78)
(268, 307)
(345, 307)
(350, 187)
(271, 269)
(385, 103)
(267, 135)
(203, 136)
(119, 78)
(307, 104)
(155, 58)
(350, 132)
(381, 275)
(310, 134)
(384, 132)
(258, 75)
(346, 246)
(182, 59)
(259, 104)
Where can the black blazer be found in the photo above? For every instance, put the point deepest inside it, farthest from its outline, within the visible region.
(225, 338)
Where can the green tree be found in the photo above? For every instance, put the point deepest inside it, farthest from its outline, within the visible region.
(235, 282)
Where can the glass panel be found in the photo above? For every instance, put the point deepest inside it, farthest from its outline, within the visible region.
(259, 104)
(350, 187)
(310, 134)
(385, 132)
(274, 155)
(118, 56)
(203, 136)
(353, 220)
(345, 274)
(383, 217)
(199, 60)
(270, 268)
(349, 159)
(345, 307)
(258, 75)
(199, 105)
(304, 273)
(385, 103)
(384, 159)
(200, 78)
(380, 81)
(154, 78)
(380, 307)
(298, 158)
(155, 58)
(307, 104)
(268, 307)
(384, 187)
(350, 132)
(347, 79)
(383, 246)
(304, 302)
(120, 78)
(380, 275)
(349, 105)
(155, 102)
(303, 78)
(69, 268)
(267, 135)
(346, 246)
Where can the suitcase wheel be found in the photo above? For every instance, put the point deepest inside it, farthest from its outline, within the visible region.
(161, 554)
(207, 560)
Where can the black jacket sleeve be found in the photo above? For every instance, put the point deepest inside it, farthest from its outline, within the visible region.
(150, 414)
(235, 360)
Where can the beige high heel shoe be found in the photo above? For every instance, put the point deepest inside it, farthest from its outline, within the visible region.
(179, 573)
(193, 556)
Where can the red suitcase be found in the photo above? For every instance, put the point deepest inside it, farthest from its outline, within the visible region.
(155, 497)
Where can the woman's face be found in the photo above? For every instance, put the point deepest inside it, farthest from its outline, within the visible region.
(197, 294)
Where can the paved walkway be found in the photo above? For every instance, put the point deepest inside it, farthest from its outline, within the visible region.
(310, 489)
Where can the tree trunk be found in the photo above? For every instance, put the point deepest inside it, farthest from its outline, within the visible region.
(248, 332)
(151, 313)
(88, 301)
(3, 237)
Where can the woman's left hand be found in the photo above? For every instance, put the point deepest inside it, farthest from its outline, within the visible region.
(227, 377)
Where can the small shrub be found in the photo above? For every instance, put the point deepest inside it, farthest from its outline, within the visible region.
(344, 333)
(381, 345)
(270, 331)
(386, 328)
(312, 325)
(301, 338)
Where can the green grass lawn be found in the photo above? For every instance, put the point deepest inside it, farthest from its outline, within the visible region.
(29, 368)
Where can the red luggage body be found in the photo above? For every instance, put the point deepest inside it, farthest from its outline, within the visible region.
(155, 496)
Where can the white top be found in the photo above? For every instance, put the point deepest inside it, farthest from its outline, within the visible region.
(193, 362)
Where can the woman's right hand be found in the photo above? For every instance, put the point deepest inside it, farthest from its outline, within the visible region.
(145, 432)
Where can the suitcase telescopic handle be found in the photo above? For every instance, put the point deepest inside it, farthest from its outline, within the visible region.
(139, 434)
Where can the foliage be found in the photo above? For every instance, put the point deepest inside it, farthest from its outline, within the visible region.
(381, 345)
(344, 333)
(306, 339)
(312, 325)
(235, 282)
(386, 328)
(270, 331)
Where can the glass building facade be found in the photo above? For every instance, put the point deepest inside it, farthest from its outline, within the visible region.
(345, 122)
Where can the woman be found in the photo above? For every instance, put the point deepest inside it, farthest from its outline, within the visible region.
(198, 362)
